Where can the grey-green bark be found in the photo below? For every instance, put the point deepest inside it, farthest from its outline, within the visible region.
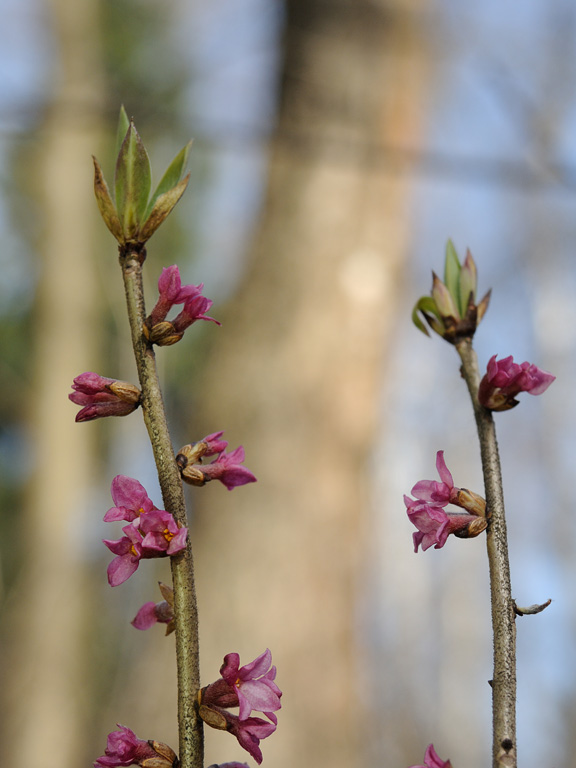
(503, 617)
(185, 607)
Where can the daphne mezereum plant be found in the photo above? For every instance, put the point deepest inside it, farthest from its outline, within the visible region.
(149, 532)
(452, 312)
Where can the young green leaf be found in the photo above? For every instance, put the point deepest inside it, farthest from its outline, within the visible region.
(105, 204)
(163, 206)
(452, 272)
(133, 179)
(468, 280)
(123, 125)
(171, 177)
(427, 306)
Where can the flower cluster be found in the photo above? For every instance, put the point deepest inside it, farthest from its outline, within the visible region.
(226, 467)
(504, 380)
(164, 332)
(251, 688)
(150, 532)
(124, 748)
(427, 511)
(101, 396)
(431, 760)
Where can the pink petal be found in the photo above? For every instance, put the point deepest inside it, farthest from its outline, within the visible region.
(169, 283)
(258, 696)
(121, 568)
(146, 617)
(541, 381)
(443, 470)
(256, 668)
(178, 543)
(128, 492)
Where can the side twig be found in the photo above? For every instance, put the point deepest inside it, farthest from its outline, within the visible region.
(191, 744)
(503, 607)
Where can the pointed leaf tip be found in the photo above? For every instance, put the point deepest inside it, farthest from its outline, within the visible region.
(106, 204)
(122, 130)
(163, 206)
(172, 176)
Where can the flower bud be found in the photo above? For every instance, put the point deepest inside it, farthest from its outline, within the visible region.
(162, 334)
(164, 752)
(190, 473)
(125, 391)
(213, 718)
(163, 612)
(226, 467)
(504, 380)
(101, 396)
(124, 748)
(471, 502)
(473, 529)
(451, 310)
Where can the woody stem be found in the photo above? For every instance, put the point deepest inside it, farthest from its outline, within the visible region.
(191, 738)
(503, 616)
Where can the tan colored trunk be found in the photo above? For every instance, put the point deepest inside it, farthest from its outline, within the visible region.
(295, 376)
(43, 691)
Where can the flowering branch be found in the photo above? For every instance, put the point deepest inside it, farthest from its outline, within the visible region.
(451, 312)
(185, 605)
(132, 217)
(503, 606)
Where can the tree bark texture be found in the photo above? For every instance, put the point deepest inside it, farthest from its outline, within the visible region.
(44, 700)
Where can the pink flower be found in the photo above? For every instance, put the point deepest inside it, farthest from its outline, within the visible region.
(445, 492)
(101, 397)
(431, 760)
(254, 684)
(123, 748)
(171, 292)
(211, 444)
(128, 551)
(249, 732)
(162, 536)
(504, 379)
(434, 524)
(130, 498)
(162, 612)
(154, 534)
(250, 687)
(194, 452)
(194, 309)
(226, 467)
(430, 490)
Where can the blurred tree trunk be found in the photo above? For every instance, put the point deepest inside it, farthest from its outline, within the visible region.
(295, 374)
(44, 720)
